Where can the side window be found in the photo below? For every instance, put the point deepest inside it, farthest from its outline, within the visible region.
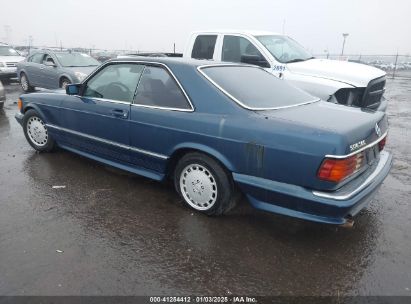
(48, 58)
(234, 47)
(115, 82)
(158, 89)
(37, 58)
(204, 47)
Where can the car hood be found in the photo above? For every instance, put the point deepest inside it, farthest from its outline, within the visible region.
(356, 74)
(11, 58)
(86, 70)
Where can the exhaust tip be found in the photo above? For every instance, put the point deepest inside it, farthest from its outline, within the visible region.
(349, 223)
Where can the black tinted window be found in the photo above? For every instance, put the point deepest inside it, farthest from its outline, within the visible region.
(37, 58)
(158, 89)
(234, 47)
(204, 47)
(255, 88)
(115, 82)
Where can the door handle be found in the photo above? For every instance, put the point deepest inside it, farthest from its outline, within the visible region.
(119, 113)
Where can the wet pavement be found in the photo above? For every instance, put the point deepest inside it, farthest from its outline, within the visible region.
(112, 233)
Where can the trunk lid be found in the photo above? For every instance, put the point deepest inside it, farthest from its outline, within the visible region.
(356, 128)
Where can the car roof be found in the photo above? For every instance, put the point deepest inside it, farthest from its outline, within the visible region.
(237, 31)
(173, 61)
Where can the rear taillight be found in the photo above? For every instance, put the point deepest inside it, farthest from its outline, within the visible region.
(336, 170)
(382, 142)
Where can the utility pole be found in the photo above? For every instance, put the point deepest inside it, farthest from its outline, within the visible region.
(174, 47)
(345, 35)
(395, 66)
(7, 30)
(30, 41)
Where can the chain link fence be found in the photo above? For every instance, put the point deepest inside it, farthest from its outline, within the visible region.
(395, 65)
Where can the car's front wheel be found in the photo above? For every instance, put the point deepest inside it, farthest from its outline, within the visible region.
(204, 184)
(25, 85)
(64, 82)
(36, 132)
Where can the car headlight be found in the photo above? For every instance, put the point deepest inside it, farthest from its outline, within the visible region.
(80, 76)
(348, 96)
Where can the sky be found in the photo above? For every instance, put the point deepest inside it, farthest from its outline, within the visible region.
(374, 26)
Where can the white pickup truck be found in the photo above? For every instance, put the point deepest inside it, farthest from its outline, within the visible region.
(342, 82)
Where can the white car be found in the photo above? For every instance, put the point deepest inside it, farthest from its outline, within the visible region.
(9, 58)
(342, 82)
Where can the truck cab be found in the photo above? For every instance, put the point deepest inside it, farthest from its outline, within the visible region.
(341, 82)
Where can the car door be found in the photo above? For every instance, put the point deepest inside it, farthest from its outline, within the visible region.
(159, 109)
(97, 121)
(50, 73)
(33, 68)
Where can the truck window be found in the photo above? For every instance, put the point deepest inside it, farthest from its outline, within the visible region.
(234, 47)
(204, 47)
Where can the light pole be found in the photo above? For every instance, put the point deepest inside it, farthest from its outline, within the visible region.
(345, 35)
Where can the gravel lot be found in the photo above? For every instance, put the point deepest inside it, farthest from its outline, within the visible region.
(111, 233)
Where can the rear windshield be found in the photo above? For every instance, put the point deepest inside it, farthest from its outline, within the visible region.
(254, 88)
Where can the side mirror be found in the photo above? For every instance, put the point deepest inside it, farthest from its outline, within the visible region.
(49, 63)
(255, 60)
(73, 89)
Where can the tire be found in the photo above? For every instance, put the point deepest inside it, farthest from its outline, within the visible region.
(2, 104)
(204, 185)
(24, 83)
(64, 82)
(36, 132)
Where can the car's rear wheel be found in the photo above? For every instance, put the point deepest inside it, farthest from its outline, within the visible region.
(64, 82)
(25, 85)
(36, 132)
(204, 184)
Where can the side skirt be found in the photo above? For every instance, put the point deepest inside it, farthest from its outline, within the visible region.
(138, 171)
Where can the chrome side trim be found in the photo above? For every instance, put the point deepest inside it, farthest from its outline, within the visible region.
(384, 156)
(199, 68)
(162, 108)
(109, 142)
(192, 109)
(104, 99)
(359, 150)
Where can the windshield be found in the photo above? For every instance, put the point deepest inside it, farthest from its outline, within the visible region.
(254, 88)
(76, 60)
(284, 49)
(8, 51)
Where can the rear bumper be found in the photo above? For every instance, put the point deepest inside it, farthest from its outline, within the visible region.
(326, 207)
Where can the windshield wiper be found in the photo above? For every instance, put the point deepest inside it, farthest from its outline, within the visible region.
(299, 60)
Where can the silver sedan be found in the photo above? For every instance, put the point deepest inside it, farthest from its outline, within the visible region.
(53, 70)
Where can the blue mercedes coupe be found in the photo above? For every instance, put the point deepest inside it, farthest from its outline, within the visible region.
(218, 130)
